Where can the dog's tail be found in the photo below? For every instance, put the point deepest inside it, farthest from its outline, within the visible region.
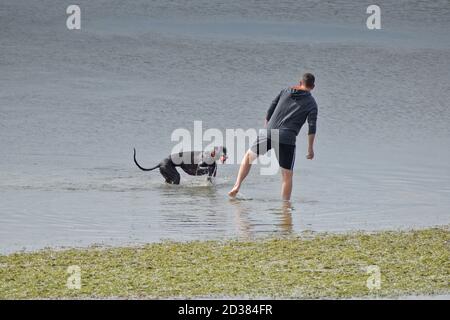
(139, 166)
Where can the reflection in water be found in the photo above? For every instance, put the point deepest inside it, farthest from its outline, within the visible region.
(248, 228)
(241, 218)
(191, 210)
(286, 224)
(195, 188)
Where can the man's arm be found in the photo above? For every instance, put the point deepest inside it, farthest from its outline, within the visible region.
(312, 124)
(272, 107)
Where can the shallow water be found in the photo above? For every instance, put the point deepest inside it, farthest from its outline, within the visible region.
(74, 104)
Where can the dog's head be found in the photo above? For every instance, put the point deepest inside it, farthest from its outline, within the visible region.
(219, 153)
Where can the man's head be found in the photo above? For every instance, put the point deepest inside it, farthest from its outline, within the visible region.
(308, 81)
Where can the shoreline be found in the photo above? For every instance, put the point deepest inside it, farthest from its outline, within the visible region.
(322, 266)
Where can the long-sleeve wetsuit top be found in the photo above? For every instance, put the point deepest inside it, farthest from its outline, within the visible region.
(289, 111)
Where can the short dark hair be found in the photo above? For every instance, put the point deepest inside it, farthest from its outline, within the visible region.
(308, 80)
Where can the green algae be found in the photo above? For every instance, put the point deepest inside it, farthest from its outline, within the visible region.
(324, 266)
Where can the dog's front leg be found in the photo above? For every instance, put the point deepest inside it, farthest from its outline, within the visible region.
(212, 170)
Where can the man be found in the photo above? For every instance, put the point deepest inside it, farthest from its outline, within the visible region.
(284, 119)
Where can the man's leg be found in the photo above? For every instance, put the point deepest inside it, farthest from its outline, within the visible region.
(244, 169)
(286, 184)
(286, 158)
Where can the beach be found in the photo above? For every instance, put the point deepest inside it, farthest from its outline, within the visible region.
(74, 104)
(312, 266)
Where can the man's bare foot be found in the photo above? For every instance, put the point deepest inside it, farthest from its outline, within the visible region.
(233, 192)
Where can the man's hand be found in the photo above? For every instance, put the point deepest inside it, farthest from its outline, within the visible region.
(310, 155)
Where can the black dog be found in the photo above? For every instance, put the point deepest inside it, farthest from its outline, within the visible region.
(194, 163)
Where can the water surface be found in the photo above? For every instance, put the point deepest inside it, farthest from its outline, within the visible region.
(74, 104)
